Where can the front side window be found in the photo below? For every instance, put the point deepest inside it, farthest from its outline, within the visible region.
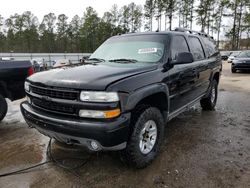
(140, 48)
(196, 48)
(178, 45)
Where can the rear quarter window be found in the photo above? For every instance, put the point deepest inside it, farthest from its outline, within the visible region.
(210, 47)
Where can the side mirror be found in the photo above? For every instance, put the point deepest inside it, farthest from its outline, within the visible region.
(183, 58)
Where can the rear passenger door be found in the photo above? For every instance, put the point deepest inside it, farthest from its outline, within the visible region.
(202, 65)
(182, 78)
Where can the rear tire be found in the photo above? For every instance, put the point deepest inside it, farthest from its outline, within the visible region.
(3, 108)
(209, 102)
(145, 139)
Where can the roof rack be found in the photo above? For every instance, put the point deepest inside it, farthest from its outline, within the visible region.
(179, 29)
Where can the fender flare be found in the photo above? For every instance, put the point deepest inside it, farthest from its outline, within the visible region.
(215, 71)
(141, 93)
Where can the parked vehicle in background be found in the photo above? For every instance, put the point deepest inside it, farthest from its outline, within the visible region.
(52, 63)
(6, 59)
(241, 62)
(12, 77)
(225, 55)
(126, 92)
(36, 65)
(62, 62)
(84, 58)
(232, 56)
(39, 62)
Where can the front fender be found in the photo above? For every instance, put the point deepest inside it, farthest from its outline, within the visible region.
(134, 98)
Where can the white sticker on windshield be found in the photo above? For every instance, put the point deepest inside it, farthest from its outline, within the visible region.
(147, 50)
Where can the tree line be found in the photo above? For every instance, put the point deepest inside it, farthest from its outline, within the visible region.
(24, 32)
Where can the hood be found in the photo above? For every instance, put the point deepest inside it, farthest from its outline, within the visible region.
(90, 76)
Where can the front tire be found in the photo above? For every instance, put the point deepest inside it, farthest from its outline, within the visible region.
(3, 108)
(210, 101)
(146, 138)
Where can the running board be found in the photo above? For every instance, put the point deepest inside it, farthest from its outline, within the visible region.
(184, 108)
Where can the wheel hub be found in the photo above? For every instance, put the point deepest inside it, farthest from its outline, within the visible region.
(148, 136)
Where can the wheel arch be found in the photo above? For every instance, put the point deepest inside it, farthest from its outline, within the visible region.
(156, 95)
(216, 76)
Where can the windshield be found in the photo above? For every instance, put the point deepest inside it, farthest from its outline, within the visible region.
(141, 48)
(245, 54)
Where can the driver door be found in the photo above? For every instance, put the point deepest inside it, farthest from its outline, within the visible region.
(182, 78)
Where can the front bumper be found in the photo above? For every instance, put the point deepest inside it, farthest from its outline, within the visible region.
(108, 135)
(241, 66)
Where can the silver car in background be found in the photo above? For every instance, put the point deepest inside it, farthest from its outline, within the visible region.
(232, 56)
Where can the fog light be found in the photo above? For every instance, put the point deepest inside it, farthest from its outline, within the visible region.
(94, 145)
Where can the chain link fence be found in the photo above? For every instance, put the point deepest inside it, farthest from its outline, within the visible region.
(47, 58)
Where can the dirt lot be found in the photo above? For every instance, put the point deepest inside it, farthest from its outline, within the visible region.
(201, 149)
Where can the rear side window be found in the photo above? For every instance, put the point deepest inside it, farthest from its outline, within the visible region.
(196, 48)
(210, 46)
(179, 44)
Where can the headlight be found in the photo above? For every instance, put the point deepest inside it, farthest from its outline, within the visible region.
(99, 96)
(99, 114)
(27, 86)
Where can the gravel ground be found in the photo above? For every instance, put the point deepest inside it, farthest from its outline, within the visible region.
(201, 149)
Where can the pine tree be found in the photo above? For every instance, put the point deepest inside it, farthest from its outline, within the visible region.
(149, 11)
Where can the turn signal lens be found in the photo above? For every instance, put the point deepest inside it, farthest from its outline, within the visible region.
(112, 113)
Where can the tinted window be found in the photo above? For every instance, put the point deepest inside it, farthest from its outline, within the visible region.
(179, 44)
(196, 48)
(210, 46)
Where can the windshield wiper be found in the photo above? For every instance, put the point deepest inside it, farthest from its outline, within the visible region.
(95, 59)
(123, 60)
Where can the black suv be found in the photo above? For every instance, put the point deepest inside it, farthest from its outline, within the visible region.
(126, 92)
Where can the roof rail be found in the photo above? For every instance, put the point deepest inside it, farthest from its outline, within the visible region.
(179, 29)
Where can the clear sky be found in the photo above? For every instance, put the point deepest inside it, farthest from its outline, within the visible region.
(68, 7)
